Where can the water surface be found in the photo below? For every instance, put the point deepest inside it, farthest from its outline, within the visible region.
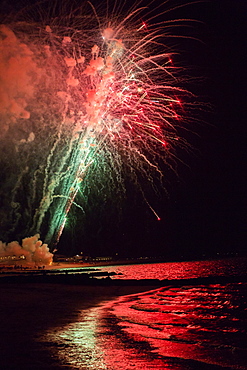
(180, 328)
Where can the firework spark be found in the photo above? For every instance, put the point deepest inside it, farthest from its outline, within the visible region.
(82, 99)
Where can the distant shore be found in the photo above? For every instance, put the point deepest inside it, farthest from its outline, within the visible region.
(87, 275)
(70, 265)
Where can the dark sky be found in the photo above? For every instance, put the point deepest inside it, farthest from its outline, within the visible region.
(204, 212)
(210, 207)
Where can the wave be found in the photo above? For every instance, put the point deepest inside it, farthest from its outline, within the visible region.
(203, 324)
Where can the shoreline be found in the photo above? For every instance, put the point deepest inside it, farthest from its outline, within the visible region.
(86, 274)
(28, 311)
(57, 265)
(70, 265)
(91, 278)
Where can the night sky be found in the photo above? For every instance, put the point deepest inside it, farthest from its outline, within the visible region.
(209, 208)
(203, 209)
(207, 211)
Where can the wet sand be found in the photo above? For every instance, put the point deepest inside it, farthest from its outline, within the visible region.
(28, 310)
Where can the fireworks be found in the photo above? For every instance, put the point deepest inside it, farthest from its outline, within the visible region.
(83, 101)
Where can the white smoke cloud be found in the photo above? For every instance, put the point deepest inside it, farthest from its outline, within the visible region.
(33, 250)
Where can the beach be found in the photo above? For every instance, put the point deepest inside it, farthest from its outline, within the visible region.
(194, 318)
(28, 310)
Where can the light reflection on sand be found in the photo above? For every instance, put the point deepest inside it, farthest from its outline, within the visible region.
(76, 343)
(88, 344)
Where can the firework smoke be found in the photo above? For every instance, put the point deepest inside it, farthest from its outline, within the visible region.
(30, 251)
(82, 102)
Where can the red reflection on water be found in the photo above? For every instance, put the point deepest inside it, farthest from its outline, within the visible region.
(177, 328)
(179, 270)
(125, 344)
(164, 328)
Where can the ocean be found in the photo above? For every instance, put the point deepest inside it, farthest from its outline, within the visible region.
(185, 327)
(178, 327)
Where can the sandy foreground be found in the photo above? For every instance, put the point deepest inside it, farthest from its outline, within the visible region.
(28, 310)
